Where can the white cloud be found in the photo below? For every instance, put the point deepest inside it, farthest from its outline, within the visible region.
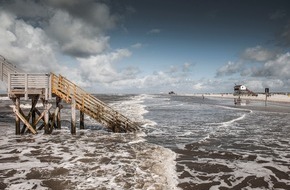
(229, 68)
(198, 86)
(279, 67)
(36, 40)
(273, 73)
(137, 45)
(258, 54)
(25, 45)
(212, 86)
(258, 85)
(77, 26)
(101, 68)
(187, 67)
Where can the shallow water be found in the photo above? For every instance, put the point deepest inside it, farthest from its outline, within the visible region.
(185, 143)
(220, 146)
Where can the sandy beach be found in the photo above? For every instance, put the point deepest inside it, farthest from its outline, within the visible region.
(261, 97)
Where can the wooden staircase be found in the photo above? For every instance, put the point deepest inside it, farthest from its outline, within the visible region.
(46, 86)
(90, 105)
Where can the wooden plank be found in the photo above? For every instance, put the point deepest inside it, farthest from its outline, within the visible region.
(23, 120)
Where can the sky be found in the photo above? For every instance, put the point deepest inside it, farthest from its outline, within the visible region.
(151, 46)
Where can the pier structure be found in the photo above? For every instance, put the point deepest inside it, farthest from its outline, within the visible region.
(52, 90)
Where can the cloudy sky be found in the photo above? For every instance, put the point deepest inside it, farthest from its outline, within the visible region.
(151, 46)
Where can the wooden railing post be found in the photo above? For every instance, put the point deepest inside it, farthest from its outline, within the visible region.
(9, 84)
(49, 86)
(26, 86)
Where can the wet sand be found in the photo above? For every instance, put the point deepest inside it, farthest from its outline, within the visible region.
(206, 171)
(261, 97)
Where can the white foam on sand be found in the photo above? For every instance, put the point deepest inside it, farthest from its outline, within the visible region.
(27, 106)
(4, 98)
(92, 159)
(135, 109)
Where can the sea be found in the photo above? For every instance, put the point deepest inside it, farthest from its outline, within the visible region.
(184, 142)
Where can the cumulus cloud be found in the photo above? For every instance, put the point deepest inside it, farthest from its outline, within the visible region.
(91, 12)
(272, 73)
(69, 38)
(267, 64)
(279, 67)
(101, 68)
(211, 85)
(64, 37)
(258, 54)
(77, 26)
(187, 67)
(171, 78)
(259, 85)
(229, 68)
(25, 45)
(74, 37)
(137, 45)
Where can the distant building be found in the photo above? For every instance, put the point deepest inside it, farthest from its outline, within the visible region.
(243, 90)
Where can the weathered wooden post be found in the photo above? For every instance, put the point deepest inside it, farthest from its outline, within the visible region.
(266, 95)
(58, 105)
(17, 119)
(73, 116)
(46, 118)
(82, 120)
(34, 101)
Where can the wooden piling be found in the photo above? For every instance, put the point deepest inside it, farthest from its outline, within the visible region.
(46, 118)
(82, 122)
(17, 119)
(73, 116)
(59, 106)
(33, 114)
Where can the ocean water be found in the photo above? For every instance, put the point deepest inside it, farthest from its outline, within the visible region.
(185, 142)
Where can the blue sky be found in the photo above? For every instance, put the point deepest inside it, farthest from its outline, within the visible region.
(152, 46)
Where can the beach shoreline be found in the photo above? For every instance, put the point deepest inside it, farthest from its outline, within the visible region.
(278, 98)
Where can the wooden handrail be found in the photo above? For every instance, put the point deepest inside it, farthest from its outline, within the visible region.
(91, 105)
(5, 68)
